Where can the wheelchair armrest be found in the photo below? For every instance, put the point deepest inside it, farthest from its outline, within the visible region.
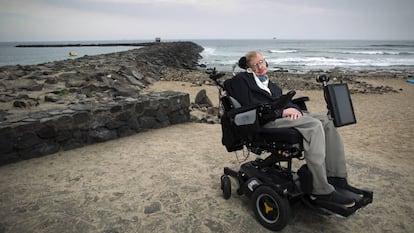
(261, 113)
(242, 109)
(248, 113)
(301, 102)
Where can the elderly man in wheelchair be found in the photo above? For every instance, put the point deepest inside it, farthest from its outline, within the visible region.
(258, 117)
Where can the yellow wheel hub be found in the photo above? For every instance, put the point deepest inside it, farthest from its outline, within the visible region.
(267, 208)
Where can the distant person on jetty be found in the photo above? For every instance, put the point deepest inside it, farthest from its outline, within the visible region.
(324, 150)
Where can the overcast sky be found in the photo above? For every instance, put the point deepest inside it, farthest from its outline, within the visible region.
(57, 20)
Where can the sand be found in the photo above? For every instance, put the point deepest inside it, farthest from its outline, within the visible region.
(167, 180)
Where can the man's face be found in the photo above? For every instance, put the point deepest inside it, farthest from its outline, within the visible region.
(258, 65)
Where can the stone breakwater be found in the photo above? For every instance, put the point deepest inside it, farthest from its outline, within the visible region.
(67, 104)
(45, 132)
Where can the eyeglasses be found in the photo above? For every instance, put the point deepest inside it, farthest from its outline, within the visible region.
(258, 64)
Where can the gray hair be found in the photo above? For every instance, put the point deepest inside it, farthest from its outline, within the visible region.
(250, 55)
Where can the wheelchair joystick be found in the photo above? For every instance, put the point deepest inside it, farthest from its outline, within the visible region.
(215, 76)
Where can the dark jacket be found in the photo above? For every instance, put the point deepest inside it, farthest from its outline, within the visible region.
(244, 89)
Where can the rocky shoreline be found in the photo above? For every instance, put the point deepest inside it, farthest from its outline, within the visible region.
(357, 81)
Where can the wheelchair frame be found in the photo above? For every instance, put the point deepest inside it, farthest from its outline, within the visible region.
(273, 187)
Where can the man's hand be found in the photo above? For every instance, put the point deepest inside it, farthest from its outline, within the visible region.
(292, 113)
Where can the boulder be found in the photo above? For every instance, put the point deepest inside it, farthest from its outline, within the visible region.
(202, 99)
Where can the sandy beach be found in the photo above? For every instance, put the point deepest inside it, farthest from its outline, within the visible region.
(168, 180)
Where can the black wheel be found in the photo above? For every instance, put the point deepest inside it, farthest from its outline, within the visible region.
(270, 208)
(226, 186)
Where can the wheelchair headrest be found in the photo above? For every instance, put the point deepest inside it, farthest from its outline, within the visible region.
(243, 63)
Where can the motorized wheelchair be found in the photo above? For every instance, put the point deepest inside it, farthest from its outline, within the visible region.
(270, 182)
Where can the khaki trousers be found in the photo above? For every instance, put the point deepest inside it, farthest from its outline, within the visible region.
(323, 146)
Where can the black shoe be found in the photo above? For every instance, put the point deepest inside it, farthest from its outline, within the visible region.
(335, 197)
(339, 182)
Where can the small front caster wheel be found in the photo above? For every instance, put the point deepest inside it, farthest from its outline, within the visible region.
(270, 208)
(226, 186)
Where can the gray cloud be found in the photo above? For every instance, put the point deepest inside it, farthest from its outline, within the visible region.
(24, 20)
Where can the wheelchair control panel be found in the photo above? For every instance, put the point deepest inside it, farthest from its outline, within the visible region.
(338, 100)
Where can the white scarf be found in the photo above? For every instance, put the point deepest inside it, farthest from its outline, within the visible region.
(263, 85)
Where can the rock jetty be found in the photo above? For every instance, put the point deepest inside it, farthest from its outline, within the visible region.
(92, 79)
(67, 104)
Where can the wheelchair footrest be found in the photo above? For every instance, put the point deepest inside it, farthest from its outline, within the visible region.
(361, 197)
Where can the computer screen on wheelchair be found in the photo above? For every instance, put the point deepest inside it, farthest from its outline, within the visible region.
(340, 104)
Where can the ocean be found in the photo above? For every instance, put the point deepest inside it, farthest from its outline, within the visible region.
(305, 55)
(11, 55)
(292, 55)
